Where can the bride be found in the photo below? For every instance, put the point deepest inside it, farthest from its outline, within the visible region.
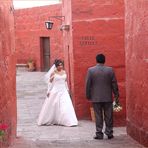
(57, 108)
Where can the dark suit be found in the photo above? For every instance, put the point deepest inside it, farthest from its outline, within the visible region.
(100, 84)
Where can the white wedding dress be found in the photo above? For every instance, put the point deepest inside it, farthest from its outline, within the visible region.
(58, 108)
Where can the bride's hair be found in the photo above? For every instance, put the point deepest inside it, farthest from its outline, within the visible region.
(57, 62)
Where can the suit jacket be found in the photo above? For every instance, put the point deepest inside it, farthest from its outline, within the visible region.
(101, 83)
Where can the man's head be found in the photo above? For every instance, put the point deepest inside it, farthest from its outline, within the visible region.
(100, 58)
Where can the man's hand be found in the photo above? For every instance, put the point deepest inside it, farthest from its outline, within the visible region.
(116, 105)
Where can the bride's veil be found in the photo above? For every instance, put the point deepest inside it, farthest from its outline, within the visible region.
(50, 71)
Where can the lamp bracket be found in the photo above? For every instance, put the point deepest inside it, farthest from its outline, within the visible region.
(58, 17)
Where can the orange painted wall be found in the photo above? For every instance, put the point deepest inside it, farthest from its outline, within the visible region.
(30, 26)
(96, 27)
(7, 71)
(136, 25)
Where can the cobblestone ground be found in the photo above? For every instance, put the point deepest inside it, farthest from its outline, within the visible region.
(31, 91)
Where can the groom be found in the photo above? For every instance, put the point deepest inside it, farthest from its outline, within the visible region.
(100, 83)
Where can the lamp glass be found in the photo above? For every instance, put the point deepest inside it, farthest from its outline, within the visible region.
(49, 24)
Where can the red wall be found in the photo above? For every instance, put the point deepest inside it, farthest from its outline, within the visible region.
(137, 69)
(97, 27)
(30, 26)
(68, 45)
(7, 70)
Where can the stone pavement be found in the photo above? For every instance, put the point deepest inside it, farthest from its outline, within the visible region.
(31, 91)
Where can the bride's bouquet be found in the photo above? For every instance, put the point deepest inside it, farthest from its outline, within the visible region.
(116, 107)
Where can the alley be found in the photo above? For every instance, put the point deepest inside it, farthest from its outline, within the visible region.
(31, 91)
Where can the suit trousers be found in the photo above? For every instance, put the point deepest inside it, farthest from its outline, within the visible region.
(103, 112)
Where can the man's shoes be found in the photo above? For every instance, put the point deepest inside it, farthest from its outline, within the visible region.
(110, 136)
(98, 137)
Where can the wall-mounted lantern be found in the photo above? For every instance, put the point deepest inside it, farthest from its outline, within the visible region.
(49, 24)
